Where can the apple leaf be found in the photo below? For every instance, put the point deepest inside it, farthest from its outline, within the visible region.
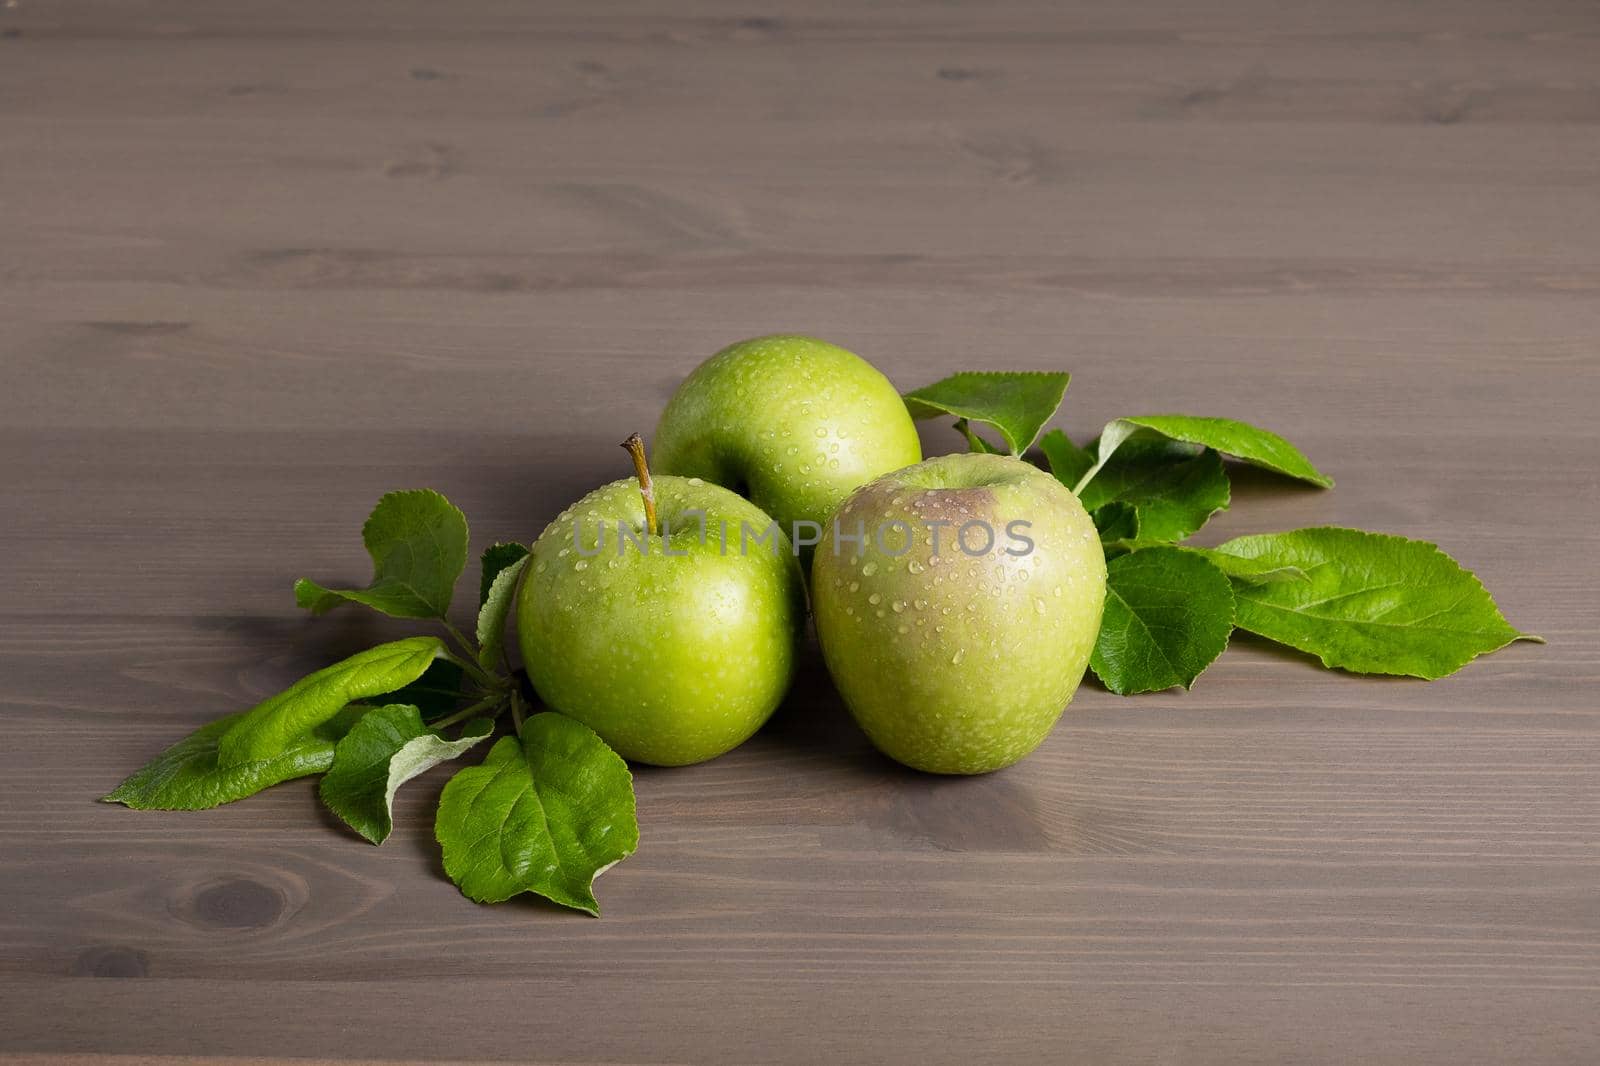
(1117, 522)
(436, 693)
(492, 615)
(268, 729)
(1250, 571)
(418, 543)
(1250, 444)
(385, 749)
(1017, 404)
(546, 812)
(1372, 604)
(1173, 487)
(188, 777)
(496, 557)
(1066, 460)
(1167, 617)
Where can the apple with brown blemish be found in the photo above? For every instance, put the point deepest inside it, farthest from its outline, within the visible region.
(958, 625)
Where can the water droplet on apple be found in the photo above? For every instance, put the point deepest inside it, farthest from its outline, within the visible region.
(821, 431)
(898, 605)
(874, 598)
(855, 586)
(1038, 605)
(867, 568)
(902, 629)
(955, 660)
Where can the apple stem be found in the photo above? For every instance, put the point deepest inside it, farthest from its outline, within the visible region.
(635, 446)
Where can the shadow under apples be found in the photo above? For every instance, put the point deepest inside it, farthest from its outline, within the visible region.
(812, 720)
(885, 802)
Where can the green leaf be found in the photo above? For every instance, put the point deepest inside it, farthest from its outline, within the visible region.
(418, 544)
(492, 615)
(496, 557)
(187, 777)
(436, 693)
(1066, 460)
(546, 813)
(268, 729)
(1168, 615)
(1174, 487)
(1372, 604)
(287, 735)
(1117, 522)
(1250, 444)
(975, 443)
(385, 749)
(1017, 404)
(1251, 571)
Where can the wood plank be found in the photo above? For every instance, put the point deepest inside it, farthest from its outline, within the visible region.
(262, 263)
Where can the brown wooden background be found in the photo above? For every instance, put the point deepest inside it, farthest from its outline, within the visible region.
(260, 262)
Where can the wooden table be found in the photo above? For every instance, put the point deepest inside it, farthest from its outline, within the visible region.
(262, 262)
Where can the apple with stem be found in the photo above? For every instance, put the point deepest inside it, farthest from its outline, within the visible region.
(643, 615)
(958, 626)
(793, 423)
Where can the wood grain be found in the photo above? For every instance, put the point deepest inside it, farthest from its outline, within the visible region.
(263, 262)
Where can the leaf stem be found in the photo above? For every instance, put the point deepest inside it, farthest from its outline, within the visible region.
(516, 711)
(460, 638)
(467, 712)
(478, 673)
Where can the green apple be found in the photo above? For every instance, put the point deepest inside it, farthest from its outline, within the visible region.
(959, 628)
(793, 423)
(671, 647)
